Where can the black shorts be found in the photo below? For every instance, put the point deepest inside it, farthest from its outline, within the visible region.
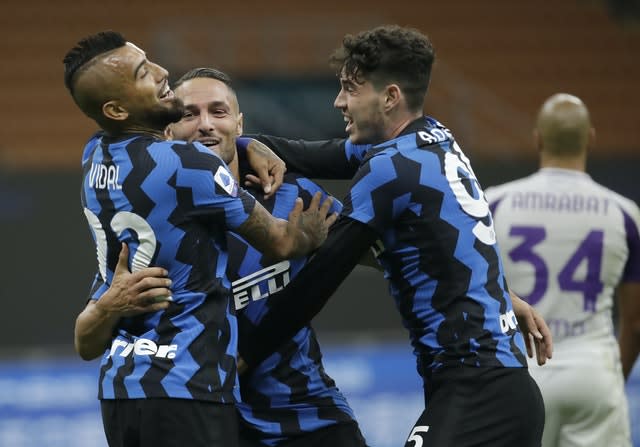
(497, 407)
(346, 434)
(169, 423)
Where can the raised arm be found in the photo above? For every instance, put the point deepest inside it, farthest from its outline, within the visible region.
(325, 159)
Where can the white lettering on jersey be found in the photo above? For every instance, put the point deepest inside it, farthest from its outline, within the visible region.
(508, 322)
(435, 135)
(104, 177)
(568, 202)
(142, 346)
(247, 288)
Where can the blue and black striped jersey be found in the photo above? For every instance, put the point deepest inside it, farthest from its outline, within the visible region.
(419, 193)
(289, 393)
(172, 203)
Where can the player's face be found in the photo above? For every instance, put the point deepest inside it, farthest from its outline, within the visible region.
(141, 88)
(362, 108)
(211, 116)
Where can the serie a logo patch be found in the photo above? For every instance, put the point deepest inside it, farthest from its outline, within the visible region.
(226, 181)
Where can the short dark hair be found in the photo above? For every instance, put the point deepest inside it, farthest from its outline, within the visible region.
(388, 53)
(85, 50)
(204, 72)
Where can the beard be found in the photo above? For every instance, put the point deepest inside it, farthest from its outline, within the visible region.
(160, 116)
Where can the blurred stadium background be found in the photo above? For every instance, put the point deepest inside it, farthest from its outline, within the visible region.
(497, 60)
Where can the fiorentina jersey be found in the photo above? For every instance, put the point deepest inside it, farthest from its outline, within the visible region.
(567, 242)
(172, 203)
(289, 393)
(440, 256)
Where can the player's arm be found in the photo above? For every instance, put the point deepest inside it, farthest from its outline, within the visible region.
(281, 239)
(129, 294)
(293, 307)
(327, 159)
(537, 335)
(629, 324)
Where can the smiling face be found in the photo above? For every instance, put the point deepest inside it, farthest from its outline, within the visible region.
(362, 107)
(129, 91)
(211, 116)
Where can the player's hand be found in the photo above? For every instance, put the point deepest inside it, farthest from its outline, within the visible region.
(269, 168)
(537, 336)
(130, 294)
(315, 221)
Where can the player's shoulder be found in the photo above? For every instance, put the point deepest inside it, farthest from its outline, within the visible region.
(627, 205)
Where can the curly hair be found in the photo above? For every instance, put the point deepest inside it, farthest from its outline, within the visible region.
(388, 54)
(85, 50)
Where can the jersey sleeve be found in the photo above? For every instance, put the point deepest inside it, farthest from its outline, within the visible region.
(207, 190)
(324, 159)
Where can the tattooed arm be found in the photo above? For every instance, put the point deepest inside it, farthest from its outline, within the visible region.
(282, 239)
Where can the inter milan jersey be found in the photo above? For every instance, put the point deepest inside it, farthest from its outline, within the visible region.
(289, 393)
(567, 243)
(171, 202)
(419, 193)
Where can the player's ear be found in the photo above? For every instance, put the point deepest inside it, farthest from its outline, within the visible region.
(168, 132)
(240, 123)
(113, 110)
(392, 96)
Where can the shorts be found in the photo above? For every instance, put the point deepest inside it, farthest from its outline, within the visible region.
(585, 400)
(337, 435)
(169, 423)
(497, 407)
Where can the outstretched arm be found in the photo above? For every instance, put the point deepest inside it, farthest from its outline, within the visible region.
(629, 325)
(293, 307)
(281, 239)
(325, 159)
(129, 294)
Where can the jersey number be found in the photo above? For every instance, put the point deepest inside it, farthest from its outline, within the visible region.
(470, 197)
(415, 437)
(589, 250)
(121, 222)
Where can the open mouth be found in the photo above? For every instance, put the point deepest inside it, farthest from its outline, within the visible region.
(349, 122)
(166, 92)
(209, 142)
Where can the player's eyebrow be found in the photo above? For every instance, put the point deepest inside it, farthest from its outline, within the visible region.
(135, 72)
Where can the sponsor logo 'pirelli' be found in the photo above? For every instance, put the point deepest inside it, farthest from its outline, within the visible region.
(260, 284)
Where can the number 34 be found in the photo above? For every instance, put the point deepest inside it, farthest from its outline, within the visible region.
(589, 250)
